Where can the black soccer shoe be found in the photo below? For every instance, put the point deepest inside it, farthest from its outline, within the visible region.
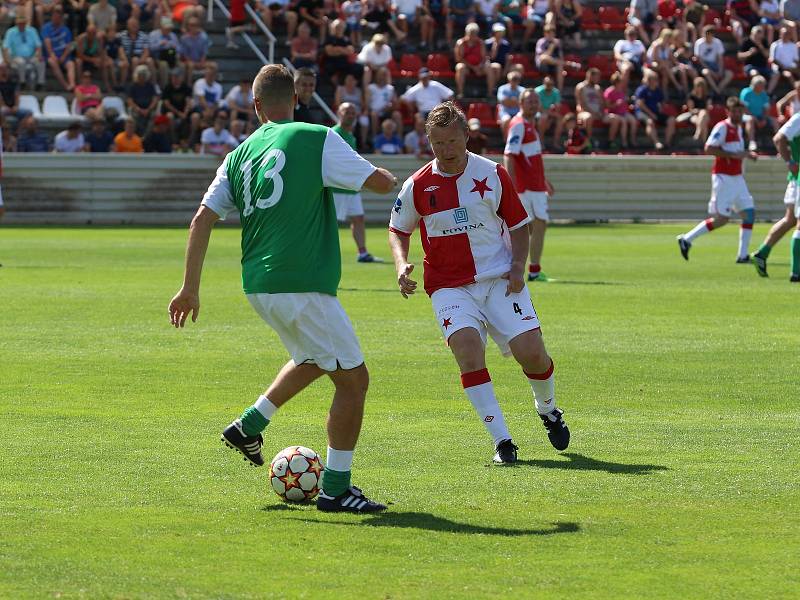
(743, 260)
(794, 278)
(684, 246)
(353, 500)
(760, 264)
(557, 430)
(506, 453)
(250, 446)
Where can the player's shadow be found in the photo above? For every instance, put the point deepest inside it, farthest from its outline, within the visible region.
(580, 462)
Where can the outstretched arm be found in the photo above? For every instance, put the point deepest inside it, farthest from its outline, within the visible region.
(188, 298)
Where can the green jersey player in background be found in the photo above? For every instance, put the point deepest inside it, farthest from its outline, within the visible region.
(787, 141)
(279, 181)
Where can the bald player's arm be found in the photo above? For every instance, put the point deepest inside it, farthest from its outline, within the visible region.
(381, 181)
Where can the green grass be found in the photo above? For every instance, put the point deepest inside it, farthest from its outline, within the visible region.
(679, 381)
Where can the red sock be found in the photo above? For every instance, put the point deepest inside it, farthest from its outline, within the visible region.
(534, 268)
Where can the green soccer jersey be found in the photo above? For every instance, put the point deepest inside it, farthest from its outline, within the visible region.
(351, 141)
(279, 181)
(791, 131)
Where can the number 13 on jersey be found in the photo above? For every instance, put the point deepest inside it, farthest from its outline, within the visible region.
(273, 174)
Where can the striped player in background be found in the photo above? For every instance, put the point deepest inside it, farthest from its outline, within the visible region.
(475, 238)
(729, 191)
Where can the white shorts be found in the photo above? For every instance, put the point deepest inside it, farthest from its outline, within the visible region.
(536, 204)
(347, 205)
(729, 194)
(792, 195)
(485, 307)
(313, 327)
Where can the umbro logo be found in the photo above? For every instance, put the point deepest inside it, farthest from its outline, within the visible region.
(489, 418)
(431, 188)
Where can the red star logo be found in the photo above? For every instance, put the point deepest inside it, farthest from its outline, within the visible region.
(481, 187)
(446, 323)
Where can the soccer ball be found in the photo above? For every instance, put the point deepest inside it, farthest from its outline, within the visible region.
(295, 474)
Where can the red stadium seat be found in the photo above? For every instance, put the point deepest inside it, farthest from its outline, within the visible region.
(407, 114)
(605, 63)
(667, 9)
(735, 67)
(483, 112)
(716, 114)
(564, 108)
(669, 109)
(772, 111)
(589, 19)
(611, 19)
(410, 64)
(527, 65)
(439, 65)
(578, 72)
(394, 69)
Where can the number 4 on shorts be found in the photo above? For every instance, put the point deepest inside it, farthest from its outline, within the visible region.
(517, 309)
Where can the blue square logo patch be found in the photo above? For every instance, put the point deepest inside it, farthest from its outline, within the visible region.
(460, 215)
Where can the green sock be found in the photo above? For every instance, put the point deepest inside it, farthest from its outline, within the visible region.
(335, 483)
(795, 255)
(253, 422)
(764, 250)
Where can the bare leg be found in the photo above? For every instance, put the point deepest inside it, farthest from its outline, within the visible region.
(529, 351)
(537, 230)
(347, 409)
(291, 380)
(359, 232)
(781, 227)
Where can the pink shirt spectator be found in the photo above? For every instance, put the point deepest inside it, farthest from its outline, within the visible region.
(87, 103)
(616, 101)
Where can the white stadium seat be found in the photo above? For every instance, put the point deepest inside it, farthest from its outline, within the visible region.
(30, 103)
(55, 109)
(115, 103)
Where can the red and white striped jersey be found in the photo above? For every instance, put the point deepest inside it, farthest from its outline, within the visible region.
(524, 146)
(729, 137)
(464, 221)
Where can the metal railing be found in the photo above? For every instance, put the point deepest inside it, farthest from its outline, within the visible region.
(271, 39)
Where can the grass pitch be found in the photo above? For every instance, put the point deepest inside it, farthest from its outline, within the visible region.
(679, 382)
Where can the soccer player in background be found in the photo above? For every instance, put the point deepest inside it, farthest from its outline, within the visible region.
(728, 188)
(278, 181)
(348, 202)
(523, 160)
(475, 239)
(787, 141)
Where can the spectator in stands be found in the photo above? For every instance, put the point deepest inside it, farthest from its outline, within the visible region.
(643, 15)
(70, 141)
(143, 98)
(476, 141)
(667, 15)
(692, 19)
(239, 102)
(416, 141)
(238, 131)
(508, 99)
(683, 53)
(409, 12)
(207, 93)
(568, 22)
(113, 49)
(238, 23)
(102, 15)
(578, 142)
(789, 104)
(387, 141)
(661, 60)
(9, 95)
(784, 57)
(142, 10)
(550, 111)
(649, 100)
(159, 139)
(374, 55)
(193, 49)
(304, 48)
(757, 101)
(177, 103)
(540, 12)
(22, 49)
(77, 12)
(184, 10)
(790, 11)
(91, 56)
(487, 13)
(710, 52)
(459, 14)
(437, 11)
(163, 44)
(305, 84)
(88, 97)
(549, 57)
(353, 12)
(99, 139)
(381, 101)
(618, 103)
(338, 52)
(217, 140)
(510, 13)
(591, 106)
(696, 109)
(769, 12)
(135, 46)
(30, 140)
(128, 141)
(312, 13)
(279, 10)
(424, 95)
(743, 15)
(629, 53)
(498, 48)
(352, 94)
(471, 59)
(58, 46)
(754, 53)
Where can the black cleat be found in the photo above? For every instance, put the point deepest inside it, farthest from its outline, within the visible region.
(795, 278)
(743, 260)
(760, 264)
(557, 430)
(506, 453)
(250, 446)
(353, 500)
(684, 246)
